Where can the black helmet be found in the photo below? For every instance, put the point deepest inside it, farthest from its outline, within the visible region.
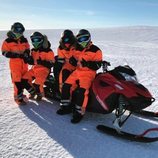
(17, 28)
(83, 38)
(67, 39)
(37, 39)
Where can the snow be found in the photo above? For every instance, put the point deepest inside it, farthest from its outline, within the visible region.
(36, 131)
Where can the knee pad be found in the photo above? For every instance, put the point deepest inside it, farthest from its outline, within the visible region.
(66, 87)
(57, 68)
(65, 74)
(66, 91)
(37, 87)
(79, 91)
(78, 96)
(23, 81)
(19, 87)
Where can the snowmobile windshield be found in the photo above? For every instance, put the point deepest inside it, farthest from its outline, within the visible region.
(129, 77)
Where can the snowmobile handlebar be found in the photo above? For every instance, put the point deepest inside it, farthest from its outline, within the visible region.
(105, 65)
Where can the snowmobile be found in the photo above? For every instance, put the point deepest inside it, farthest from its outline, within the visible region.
(118, 91)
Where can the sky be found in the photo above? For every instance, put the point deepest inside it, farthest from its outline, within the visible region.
(54, 14)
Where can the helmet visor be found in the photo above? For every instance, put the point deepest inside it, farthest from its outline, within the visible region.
(18, 30)
(66, 40)
(83, 38)
(36, 41)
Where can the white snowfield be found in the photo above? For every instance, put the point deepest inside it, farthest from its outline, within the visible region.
(36, 131)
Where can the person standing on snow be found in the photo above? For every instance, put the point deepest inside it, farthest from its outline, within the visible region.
(88, 62)
(14, 48)
(42, 59)
(65, 63)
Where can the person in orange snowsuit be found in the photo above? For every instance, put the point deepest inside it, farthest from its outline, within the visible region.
(14, 48)
(42, 59)
(64, 61)
(88, 62)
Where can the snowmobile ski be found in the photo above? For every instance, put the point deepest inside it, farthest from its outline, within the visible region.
(146, 113)
(128, 136)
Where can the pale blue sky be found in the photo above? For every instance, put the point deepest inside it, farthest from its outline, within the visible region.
(52, 14)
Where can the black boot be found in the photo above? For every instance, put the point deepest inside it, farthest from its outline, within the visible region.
(64, 110)
(39, 97)
(77, 117)
(20, 100)
(65, 107)
(32, 93)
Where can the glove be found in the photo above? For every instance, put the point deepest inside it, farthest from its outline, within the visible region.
(84, 63)
(94, 65)
(20, 56)
(45, 63)
(28, 58)
(39, 61)
(12, 55)
(26, 53)
(73, 61)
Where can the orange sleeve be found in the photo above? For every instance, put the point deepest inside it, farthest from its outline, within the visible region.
(75, 54)
(50, 56)
(60, 53)
(27, 46)
(98, 56)
(5, 47)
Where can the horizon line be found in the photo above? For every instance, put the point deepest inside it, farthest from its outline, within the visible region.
(87, 28)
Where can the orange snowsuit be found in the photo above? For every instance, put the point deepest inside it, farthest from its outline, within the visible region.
(85, 75)
(39, 72)
(17, 66)
(67, 68)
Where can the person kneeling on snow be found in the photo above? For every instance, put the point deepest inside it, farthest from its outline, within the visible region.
(88, 62)
(42, 59)
(14, 48)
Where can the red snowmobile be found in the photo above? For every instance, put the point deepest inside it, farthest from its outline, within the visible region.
(117, 90)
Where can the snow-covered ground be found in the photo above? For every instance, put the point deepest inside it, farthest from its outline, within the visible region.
(36, 131)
